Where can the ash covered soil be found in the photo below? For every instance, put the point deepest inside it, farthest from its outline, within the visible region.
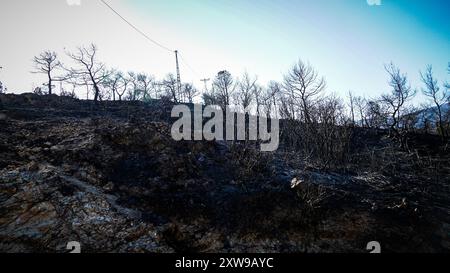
(111, 177)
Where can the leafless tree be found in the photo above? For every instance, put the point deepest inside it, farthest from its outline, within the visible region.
(258, 93)
(285, 108)
(400, 94)
(223, 88)
(302, 93)
(244, 94)
(275, 92)
(146, 84)
(331, 137)
(190, 92)
(90, 71)
(303, 85)
(170, 86)
(134, 92)
(123, 85)
(433, 92)
(112, 83)
(361, 106)
(46, 63)
(352, 106)
(117, 84)
(269, 99)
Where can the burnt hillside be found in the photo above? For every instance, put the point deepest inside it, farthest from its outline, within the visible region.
(110, 176)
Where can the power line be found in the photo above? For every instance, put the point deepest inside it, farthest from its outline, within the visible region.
(177, 54)
(187, 65)
(135, 28)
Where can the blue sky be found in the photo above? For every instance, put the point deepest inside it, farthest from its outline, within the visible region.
(348, 41)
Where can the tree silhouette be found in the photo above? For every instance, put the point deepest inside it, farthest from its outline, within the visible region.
(46, 63)
(89, 71)
(433, 92)
(400, 94)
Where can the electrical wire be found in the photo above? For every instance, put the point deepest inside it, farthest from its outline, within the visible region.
(183, 60)
(135, 28)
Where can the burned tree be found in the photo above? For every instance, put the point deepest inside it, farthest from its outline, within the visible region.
(395, 101)
(223, 88)
(170, 86)
(269, 99)
(46, 63)
(259, 99)
(361, 106)
(302, 88)
(433, 92)
(351, 99)
(331, 137)
(274, 92)
(145, 84)
(112, 83)
(303, 85)
(190, 92)
(135, 92)
(90, 71)
(122, 85)
(245, 91)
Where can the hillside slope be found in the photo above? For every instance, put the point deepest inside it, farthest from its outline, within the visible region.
(112, 178)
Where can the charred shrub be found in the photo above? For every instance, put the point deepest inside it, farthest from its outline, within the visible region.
(249, 163)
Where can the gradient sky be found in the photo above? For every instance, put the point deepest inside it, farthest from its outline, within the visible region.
(347, 41)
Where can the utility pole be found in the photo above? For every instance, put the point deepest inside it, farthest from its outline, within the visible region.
(178, 73)
(205, 81)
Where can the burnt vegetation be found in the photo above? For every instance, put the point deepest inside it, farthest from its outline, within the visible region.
(107, 172)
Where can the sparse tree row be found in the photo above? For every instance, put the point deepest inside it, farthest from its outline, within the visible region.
(393, 111)
(319, 123)
(102, 83)
(313, 119)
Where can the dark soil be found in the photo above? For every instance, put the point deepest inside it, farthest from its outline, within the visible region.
(111, 177)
